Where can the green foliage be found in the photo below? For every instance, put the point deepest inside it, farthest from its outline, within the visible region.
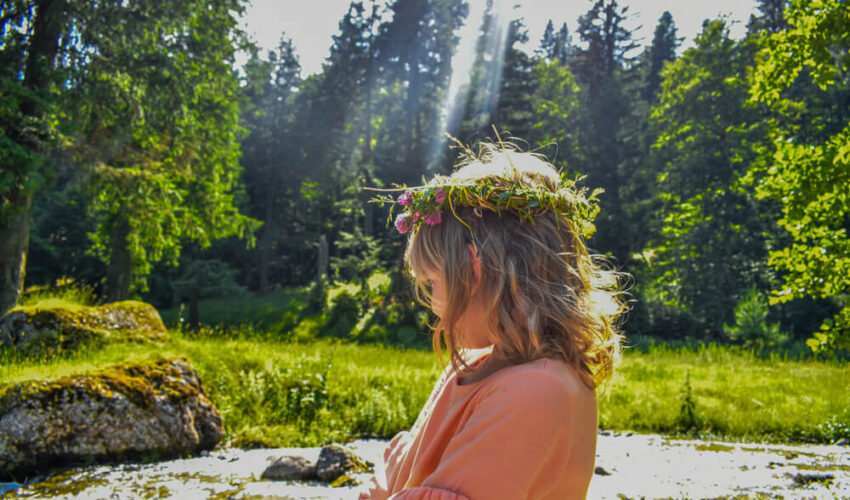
(751, 329)
(714, 236)
(808, 173)
(556, 105)
(343, 315)
(65, 290)
(360, 259)
(162, 140)
(688, 418)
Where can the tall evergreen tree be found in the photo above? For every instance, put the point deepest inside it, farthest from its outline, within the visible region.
(599, 69)
(547, 42)
(269, 167)
(416, 48)
(663, 49)
(564, 45)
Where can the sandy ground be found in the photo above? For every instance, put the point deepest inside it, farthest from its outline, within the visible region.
(628, 466)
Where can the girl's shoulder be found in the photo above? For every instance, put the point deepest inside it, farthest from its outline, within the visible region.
(540, 380)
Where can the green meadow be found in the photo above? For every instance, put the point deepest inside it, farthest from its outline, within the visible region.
(274, 392)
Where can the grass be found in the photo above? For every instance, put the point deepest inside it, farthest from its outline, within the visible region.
(733, 395)
(272, 393)
(275, 393)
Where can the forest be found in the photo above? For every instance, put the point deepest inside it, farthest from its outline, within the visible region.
(139, 160)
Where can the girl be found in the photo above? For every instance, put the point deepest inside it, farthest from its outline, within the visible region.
(497, 252)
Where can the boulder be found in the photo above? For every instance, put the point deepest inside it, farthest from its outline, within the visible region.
(53, 327)
(290, 468)
(130, 411)
(336, 460)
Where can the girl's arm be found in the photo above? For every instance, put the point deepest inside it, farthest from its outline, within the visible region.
(376, 487)
(516, 444)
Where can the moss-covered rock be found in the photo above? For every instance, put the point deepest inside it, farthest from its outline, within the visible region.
(62, 327)
(336, 460)
(128, 411)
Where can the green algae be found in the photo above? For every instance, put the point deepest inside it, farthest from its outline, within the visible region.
(822, 467)
(714, 447)
(66, 483)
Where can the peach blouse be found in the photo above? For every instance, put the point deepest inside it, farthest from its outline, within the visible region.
(524, 432)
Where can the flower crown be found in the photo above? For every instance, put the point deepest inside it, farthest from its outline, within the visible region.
(427, 203)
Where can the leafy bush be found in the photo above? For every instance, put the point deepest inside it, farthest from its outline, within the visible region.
(344, 313)
(751, 329)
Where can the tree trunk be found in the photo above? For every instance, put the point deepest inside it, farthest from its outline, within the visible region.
(14, 241)
(264, 248)
(15, 226)
(120, 269)
(322, 270)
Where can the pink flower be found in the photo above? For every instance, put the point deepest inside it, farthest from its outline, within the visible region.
(441, 195)
(406, 199)
(416, 216)
(403, 223)
(433, 218)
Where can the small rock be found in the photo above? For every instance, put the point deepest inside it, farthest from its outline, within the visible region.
(841, 442)
(599, 471)
(604, 433)
(290, 468)
(336, 460)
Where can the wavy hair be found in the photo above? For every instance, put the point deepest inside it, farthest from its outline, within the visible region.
(544, 294)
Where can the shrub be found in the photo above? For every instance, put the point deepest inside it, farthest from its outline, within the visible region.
(751, 329)
(343, 315)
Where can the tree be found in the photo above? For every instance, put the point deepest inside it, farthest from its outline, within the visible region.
(269, 163)
(771, 17)
(416, 48)
(513, 108)
(662, 50)
(810, 168)
(159, 117)
(712, 243)
(601, 69)
(547, 42)
(32, 34)
(556, 104)
(143, 96)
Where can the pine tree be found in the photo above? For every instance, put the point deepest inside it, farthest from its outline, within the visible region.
(599, 69)
(547, 43)
(663, 49)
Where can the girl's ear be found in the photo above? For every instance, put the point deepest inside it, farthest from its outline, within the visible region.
(476, 268)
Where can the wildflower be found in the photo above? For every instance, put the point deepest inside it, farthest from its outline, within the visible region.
(416, 215)
(406, 199)
(433, 218)
(441, 195)
(403, 223)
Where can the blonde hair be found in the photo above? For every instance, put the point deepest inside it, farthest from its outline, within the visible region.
(544, 294)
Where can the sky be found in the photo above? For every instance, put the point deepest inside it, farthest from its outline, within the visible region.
(311, 23)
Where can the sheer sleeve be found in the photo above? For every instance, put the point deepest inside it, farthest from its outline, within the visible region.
(377, 486)
(516, 444)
